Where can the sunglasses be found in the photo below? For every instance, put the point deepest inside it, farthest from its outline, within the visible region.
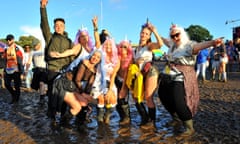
(8, 39)
(123, 46)
(175, 35)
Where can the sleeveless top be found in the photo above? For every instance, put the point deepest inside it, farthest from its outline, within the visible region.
(144, 54)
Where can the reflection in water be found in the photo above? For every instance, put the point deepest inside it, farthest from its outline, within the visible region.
(26, 122)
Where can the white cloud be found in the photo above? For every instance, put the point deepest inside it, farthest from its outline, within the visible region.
(34, 31)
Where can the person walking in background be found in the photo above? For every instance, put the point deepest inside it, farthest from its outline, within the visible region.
(143, 59)
(178, 88)
(39, 81)
(58, 41)
(125, 54)
(202, 63)
(13, 68)
(27, 62)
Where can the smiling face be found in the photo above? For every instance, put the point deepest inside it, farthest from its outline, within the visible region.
(176, 36)
(145, 35)
(108, 46)
(83, 38)
(95, 58)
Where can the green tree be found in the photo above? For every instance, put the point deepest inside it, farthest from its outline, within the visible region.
(198, 33)
(23, 40)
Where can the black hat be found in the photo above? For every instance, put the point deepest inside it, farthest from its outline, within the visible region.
(9, 37)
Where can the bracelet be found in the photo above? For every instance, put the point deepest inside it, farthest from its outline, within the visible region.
(95, 29)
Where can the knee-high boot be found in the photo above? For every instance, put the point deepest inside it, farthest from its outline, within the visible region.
(120, 109)
(100, 114)
(143, 113)
(108, 114)
(81, 116)
(123, 110)
(152, 114)
(126, 119)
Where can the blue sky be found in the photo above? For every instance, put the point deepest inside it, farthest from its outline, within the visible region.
(122, 18)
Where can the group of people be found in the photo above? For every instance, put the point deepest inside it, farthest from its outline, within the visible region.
(105, 73)
(21, 62)
(217, 61)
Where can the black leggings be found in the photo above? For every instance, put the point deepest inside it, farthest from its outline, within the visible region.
(172, 96)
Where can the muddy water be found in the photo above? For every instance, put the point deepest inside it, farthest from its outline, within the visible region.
(217, 121)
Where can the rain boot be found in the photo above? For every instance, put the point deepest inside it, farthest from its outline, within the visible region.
(120, 109)
(189, 128)
(126, 119)
(81, 116)
(143, 113)
(152, 118)
(108, 115)
(123, 111)
(175, 120)
(100, 114)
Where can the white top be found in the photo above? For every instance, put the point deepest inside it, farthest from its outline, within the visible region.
(38, 59)
(144, 54)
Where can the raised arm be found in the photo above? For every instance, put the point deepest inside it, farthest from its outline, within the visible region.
(199, 46)
(96, 34)
(44, 24)
(159, 43)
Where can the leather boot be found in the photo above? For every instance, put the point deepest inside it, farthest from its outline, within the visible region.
(143, 113)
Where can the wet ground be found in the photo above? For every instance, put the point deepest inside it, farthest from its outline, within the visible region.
(217, 121)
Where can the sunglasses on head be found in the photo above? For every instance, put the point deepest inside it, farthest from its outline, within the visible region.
(175, 35)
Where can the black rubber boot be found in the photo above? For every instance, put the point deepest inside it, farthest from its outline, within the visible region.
(152, 118)
(143, 113)
(152, 114)
(81, 116)
(120, 109)
(123, 111)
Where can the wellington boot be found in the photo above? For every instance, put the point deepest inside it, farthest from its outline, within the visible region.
(175, 121)
(143, 113)
(189, 128)
(81, 116)
(126, 118)
(108, 115)
(100, 114)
